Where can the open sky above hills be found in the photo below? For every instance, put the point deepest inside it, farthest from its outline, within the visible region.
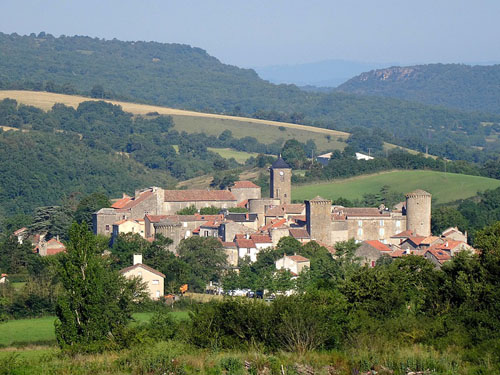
(257, 33)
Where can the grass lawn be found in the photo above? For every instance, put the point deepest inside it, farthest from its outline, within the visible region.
(41, 330)
(444, 187)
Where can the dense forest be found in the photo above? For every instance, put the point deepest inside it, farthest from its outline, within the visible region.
(185, 77)
(465, 87)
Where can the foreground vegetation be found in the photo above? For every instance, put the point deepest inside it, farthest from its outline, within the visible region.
(444, 187)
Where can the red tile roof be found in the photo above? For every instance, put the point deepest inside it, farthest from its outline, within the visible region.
(299, 233)
(298, 258)
(135, 201)
(20, 231)
(120, 203)
(429, 240)
(211, 224)
(261, 238)
(243, 203)
(198, 195)
(275, 223)
(378, 245)
(405, 234)
(155, 218)
(449, 245)
(440, 255)
(142, 266)
(245, 243)
(245, 185)
(417, 240)
(228, 244)
(365, 212)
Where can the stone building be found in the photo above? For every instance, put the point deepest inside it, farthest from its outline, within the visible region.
(176, 200)
(293, 263)
(281, 181)
(418, 212)
(245, 190)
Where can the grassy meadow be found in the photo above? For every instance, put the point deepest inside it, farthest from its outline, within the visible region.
(444, 187)
(35, 331)
(194, 122)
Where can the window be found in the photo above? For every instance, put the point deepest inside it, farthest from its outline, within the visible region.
(156, 282)
(107, 227)
(360, 232)
(185, 224)
(381, 223)
(373, 263)
(157, 294)
(206, 233)
(381, 232)
(398, 224)
(360, 223)
(248, 251)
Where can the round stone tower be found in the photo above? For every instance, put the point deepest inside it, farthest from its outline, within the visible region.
(418, 212)
(281, 181)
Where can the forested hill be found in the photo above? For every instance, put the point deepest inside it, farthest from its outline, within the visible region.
(473, 88)
(184, 77)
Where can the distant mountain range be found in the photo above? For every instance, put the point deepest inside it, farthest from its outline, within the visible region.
(321, 74)
(184, 77)
(464, 87)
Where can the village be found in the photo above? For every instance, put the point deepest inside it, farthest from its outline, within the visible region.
(393, 232)
(380, 231)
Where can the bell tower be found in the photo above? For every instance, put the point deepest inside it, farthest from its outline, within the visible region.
(281, 181)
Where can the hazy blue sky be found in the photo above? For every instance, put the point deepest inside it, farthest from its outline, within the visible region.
(267, 32)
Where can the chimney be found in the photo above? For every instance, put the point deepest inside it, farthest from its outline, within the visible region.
(137, 259)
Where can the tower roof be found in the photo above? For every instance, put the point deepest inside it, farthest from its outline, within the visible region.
(280, 164)
(419, 192)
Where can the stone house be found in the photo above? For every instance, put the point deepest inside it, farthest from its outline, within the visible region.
(245, 190)
(437, 257)
(454, 234)
(129, 226)
(153, 279)
(246, 248)
(300, 234)
(293, 263)
(229, 229)
(50, 247)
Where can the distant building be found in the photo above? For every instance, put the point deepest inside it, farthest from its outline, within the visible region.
(51, 247)
(153, 279)
(293, 263)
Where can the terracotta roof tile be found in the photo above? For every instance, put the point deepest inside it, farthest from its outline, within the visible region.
(299, 233)
(198, 195)
(261, 238)
(245, 243)
(378, 245)
(365, 212)
(440, 255)
(298, 258)
(120, 203)
(405, 234)
(275, 223)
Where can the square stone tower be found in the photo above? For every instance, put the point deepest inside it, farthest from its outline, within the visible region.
(318, 219)
(281, 181)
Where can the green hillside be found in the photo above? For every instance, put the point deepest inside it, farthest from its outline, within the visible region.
(183, 77)
(465, 87)
(444, 187)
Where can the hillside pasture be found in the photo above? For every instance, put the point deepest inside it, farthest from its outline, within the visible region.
(265, 131)
(444, 187)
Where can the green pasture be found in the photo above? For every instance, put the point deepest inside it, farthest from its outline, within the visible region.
(228, 153)
(264, 133)
(41, 330)
(444, 187)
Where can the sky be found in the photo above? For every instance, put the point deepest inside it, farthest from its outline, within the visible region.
(253, 33)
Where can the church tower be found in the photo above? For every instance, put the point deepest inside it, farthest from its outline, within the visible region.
(281, 181)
